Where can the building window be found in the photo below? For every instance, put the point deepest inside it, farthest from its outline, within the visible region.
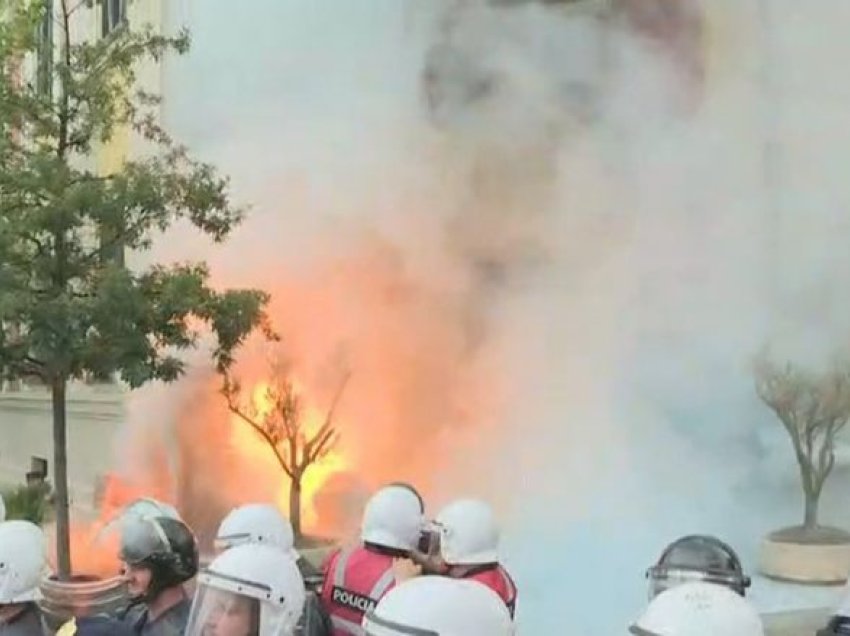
(44, 59)
(113, 14)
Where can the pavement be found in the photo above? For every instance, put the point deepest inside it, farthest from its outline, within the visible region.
(799, 623)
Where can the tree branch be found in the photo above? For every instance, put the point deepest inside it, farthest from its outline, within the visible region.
(233, 407)
(320, 439)
(324, 446)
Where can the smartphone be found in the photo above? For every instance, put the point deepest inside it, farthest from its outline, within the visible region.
(429, 542)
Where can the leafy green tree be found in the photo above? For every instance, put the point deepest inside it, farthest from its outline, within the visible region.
(69, 307)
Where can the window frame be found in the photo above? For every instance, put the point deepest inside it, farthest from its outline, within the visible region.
(110, 23)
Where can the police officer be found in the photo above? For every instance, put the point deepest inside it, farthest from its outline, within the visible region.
(264, 525)
(697, 558)
(439, 606)
(23, 561)
(356, 577)
(698, 609)
(158, 555)
(248, 590)
(469, 548)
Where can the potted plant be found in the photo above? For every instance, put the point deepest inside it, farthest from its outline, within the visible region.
(813, 406)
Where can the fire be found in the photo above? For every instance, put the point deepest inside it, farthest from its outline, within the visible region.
(95, 545)
(252, 446)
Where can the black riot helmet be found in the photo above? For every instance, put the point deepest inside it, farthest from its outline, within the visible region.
(697, 558)
(163, 544)
(837, 626)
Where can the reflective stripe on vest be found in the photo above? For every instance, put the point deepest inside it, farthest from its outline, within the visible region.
(509, 583)
(348, 627)
(378, 590)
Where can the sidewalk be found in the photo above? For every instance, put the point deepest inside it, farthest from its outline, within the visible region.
(801, 623)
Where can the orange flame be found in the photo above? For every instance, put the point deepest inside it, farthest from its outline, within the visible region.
(253, 447)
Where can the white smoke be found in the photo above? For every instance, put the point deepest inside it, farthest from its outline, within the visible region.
(644, 261)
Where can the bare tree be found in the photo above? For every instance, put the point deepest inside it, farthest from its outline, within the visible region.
(281, 425)
(813, 408)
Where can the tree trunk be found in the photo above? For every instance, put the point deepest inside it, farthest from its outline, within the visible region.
(60, 478)
(295, 506)
(811, 514)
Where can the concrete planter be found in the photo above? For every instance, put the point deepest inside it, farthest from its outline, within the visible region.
(83, 595)
(785, 557)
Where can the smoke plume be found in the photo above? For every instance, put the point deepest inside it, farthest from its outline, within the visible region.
(547, 245)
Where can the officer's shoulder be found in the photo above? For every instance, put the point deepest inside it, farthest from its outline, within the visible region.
(102, 625)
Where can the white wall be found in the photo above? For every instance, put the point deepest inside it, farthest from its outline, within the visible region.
(94, 414)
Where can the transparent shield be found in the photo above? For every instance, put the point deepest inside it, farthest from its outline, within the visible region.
(661, 580)
(659, 583)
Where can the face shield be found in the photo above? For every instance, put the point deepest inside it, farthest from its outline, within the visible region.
(229, 606)
(142, 537)
(217, 612)
(697, 559)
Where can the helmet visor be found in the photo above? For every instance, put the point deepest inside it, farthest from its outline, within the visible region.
(377, 626)
(662, 579)
(218, 612)
(140, 538)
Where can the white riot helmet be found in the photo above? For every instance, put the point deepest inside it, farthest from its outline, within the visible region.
(439, 606)
(393, 518)
(698, 609)
(256, 588)
(255, 523)
(23, 561)
(468, 533)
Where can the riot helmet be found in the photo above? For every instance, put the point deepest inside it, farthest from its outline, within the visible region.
(393, 519)
(165, 546)
(23, 562)
(255, 523)
(469, 533)
(698, 609)
(439, 606)
(697, 558)
(251, 589)
(410, 487)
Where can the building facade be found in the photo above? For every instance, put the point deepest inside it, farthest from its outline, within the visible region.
(95, 410)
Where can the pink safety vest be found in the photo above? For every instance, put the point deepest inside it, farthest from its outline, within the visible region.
(498, 580)
(355, 580)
